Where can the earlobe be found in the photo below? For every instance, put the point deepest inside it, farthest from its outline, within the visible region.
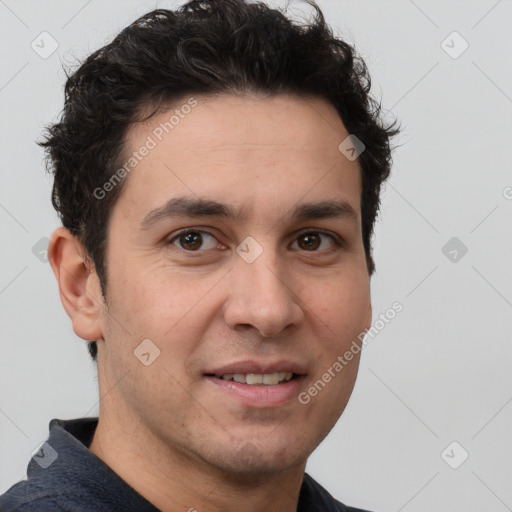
(79, 288)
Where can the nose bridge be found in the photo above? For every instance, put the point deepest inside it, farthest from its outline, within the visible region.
(260, 293)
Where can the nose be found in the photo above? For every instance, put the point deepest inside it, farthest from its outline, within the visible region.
(262, 296)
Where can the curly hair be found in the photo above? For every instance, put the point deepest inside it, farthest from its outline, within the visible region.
(205, 47)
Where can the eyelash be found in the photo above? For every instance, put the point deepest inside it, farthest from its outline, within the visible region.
(338, 242)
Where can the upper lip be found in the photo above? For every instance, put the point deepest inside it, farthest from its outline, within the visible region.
(258, 367)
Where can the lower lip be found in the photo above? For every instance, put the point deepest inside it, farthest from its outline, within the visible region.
(260, 395)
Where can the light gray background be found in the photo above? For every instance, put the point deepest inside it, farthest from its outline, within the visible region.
(439, 372)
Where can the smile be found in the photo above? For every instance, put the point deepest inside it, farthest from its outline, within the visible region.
(249, 390)
(259, 379)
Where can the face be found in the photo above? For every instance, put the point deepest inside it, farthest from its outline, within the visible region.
(250, 281)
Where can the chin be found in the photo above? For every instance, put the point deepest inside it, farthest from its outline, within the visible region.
(253, 458)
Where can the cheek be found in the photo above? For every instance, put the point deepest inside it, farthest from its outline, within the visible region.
(344, 307)
(157, 297)
(172, 310)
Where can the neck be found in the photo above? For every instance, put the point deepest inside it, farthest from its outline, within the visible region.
(172, 479)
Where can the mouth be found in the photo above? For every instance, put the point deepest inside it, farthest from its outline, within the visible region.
(257, 383)
(257, 379)
(257, 390)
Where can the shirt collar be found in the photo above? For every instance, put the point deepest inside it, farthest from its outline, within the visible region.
(65, 467)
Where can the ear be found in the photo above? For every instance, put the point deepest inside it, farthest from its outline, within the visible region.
(79, 287)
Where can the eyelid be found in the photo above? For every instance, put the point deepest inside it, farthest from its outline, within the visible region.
(331, 234)
(337, 239)
(184, 231)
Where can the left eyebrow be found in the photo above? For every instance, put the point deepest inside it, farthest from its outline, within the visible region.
(325, 210)
(196, 207)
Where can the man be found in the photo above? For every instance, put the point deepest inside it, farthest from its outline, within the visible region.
(217, 173)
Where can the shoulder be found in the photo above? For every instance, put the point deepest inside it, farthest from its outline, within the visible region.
(19, 498)
(319, 498)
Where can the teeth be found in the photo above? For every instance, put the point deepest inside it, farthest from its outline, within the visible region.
(258, 379)
(253, 378)
(270, 379)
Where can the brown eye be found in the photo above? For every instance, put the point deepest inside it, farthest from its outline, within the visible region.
(310, 241)
(192, 240)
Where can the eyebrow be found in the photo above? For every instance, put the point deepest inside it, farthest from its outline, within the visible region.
(186, 207)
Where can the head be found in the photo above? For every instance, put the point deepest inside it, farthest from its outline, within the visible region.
(235, 104)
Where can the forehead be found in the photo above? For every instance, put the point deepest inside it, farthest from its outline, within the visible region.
(232, 147)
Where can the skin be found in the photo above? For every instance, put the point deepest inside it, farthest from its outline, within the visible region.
(172, 436)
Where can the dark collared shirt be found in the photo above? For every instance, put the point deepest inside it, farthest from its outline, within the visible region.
(64, 475)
